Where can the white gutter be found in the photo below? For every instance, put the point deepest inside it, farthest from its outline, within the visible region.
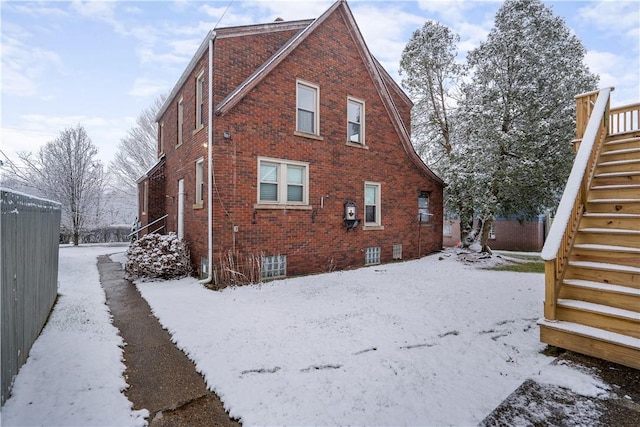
(210, 169)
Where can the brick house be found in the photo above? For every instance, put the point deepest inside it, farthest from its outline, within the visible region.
(308, 140)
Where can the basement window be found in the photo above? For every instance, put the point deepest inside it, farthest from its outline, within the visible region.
(274, 266)
(372, 255)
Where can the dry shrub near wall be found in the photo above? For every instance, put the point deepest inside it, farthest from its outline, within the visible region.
(158, 256)
(233, 268)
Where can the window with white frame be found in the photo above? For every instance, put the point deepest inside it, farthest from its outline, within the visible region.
(372, 255)
(161, 138)
(372, 204)
(199, 182)
(492, 231)
(180, 121)
(274, 266)
(423, 207)
(145, 197)
(307, 99)
(200, 100)
(355, 121)
(446, 229)
(283, 182)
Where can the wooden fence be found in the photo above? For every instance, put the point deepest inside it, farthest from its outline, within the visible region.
(29, 235)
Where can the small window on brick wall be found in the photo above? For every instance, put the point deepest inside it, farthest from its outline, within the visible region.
(274, 266)
(372, 255)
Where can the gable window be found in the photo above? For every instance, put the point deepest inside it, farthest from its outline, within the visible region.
(180, 121)
(307, 119)
(423, 207)
(355, 121)
(283, 182)
(200, 100)
(199, 200)
(372, 204)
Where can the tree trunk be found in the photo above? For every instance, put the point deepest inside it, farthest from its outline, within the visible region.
(485, 235)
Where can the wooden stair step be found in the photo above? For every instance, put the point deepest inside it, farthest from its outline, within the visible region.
(625, 322)
(616, 296)
(630, 205)
(629, 165)
(622, 151)
(601, 309)
(622, 255)
(593, 341)
(620, 141)
(606, 236)
(615, 191)
(605, 178)
(604, 272)
(605, 266)
(610, 220)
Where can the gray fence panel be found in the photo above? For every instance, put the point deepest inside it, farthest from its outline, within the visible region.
(29, 236)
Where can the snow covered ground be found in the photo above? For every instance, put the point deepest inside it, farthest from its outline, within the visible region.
(426, 342)
(74, 374)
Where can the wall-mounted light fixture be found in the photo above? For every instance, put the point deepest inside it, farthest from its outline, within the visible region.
(226, 134)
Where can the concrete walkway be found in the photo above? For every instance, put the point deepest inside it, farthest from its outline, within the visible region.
(161, 378)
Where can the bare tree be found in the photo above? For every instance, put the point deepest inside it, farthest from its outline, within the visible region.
(137, 150)
(66, 170)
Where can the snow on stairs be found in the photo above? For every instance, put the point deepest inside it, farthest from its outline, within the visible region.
(598, 302)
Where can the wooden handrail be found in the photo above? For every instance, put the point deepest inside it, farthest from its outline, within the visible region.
(624, 119)
(592, 117)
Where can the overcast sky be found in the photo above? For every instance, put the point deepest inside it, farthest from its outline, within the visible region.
(101, 63)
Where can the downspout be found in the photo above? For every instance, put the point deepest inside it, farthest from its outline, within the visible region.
(210, 169)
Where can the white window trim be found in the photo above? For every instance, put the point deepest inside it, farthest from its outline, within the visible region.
(145, 197)
(316, 117)
(199, 100)
(199, 193)
(378, 224)
(180, 122)
(282, 185)
(363, 140)
(161, 138)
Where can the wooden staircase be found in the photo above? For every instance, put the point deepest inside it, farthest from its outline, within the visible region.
(592, 271)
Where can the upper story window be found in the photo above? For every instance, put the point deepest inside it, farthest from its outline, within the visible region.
(200, 100)
(372, 214)
(307, 117)
(423, 207)
(199, 200)
(283, 182)
(355, 121)
(160, 138)
(180, 121)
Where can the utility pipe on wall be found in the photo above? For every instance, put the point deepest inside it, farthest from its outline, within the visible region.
(210, 168)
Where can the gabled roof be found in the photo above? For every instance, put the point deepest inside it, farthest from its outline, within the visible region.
(380, 80)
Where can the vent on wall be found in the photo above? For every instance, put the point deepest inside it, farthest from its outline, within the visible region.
(397, 251)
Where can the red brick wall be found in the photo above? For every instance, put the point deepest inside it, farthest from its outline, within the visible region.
(263, 124)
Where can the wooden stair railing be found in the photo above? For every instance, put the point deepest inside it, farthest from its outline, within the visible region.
(592, 126)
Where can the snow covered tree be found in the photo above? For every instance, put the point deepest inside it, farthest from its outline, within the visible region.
(137, 150)
(66, 170)
(518, 113)
(432, 77)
